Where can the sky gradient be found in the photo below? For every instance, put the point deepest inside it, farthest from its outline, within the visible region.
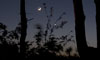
(10, 16)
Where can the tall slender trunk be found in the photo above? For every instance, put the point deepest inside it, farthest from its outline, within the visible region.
(23, 28)
(80, 26)
(97, 3)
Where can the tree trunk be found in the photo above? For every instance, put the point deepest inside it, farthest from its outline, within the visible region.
(97, 3)
(80, 26)
(23, 28)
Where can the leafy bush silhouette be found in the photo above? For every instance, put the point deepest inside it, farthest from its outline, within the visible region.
(8, 47)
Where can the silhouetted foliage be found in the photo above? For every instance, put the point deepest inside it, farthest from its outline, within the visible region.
(50, 48)
(8, 43)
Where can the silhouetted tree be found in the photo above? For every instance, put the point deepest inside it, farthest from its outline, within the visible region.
(79, 26)
(23, 28)
(97, 3)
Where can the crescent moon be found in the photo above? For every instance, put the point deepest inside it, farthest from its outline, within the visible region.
(39, 9)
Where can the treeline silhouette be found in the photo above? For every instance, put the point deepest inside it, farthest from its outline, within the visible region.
(45, 44)
(39, 48)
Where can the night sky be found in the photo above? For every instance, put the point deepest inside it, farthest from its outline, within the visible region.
(10, 16)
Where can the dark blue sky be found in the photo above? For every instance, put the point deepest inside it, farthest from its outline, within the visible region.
(9, 15)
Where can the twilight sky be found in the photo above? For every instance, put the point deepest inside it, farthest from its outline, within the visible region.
(10, 15)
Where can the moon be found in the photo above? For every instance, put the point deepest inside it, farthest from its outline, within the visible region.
(39, 9)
